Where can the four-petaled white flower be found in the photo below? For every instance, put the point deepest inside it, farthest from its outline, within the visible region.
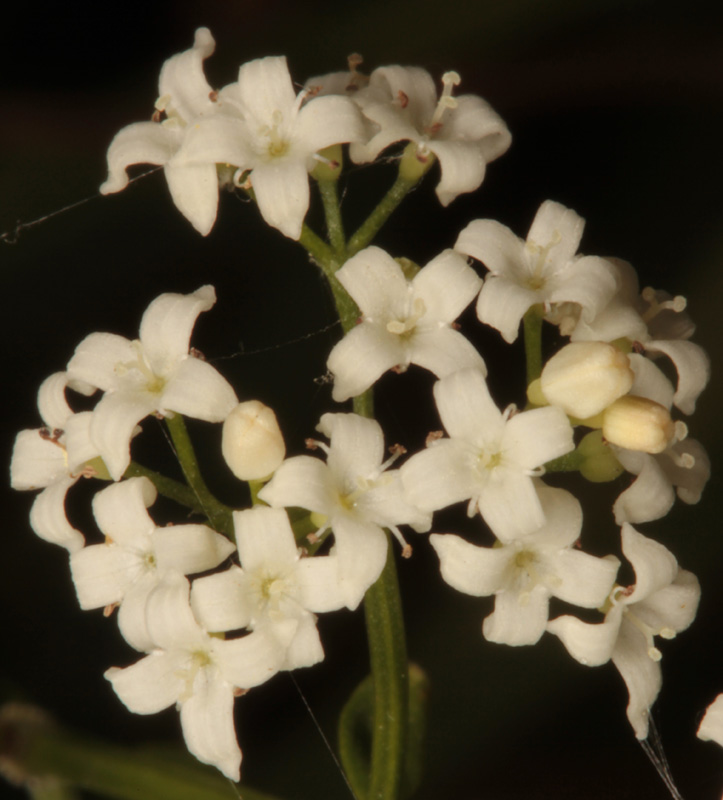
(464, 133)
(52, 459)
(663, 602)
(356, 494)
(198, 672)
(137, 555)
(154, 374)
(274, 590)
(184, 98)
(404, 321)
(490, 458)
(543, 269)
(275, 134)
(524, 572)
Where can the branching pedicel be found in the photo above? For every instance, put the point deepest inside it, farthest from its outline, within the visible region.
(600, 406)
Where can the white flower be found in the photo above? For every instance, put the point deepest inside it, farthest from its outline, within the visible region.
(184, 98)
(543, 269)
(524, 573)
(52, 459)
(137, 555)
(155, 373)
(662, 602)
(659, 323)
(711, 726)
(355, 492)
(275, 590)
(275, 134)
(464, 133)
(198, 672)
(682, 468)
(490, 458)
(404, 321)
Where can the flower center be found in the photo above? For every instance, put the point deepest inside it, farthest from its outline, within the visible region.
(540, 254)
(405, 326)
(139, 370)
(270, 590)
(200, 659)
(649, 295)
(445, 102)
(526, 566)
(277, 145)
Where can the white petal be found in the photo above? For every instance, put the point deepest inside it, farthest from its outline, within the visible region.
(102, 573)
(515, 622)
(494, 245)
(167, 324)
(171, 624)
(208, 728)
(673, 606)
(305, 649)
(466, 408)
(655, 566)
(264, 87)
(301, 481)
(264, 539)
(361, 357)
(281, 188)
(132, 612)
(120, 512)
(78, 442)
(591, 645)
(361, 548)
(689, 480)
(711, 726)
(140, 143)
(693, 366)
(387, 504)
(52, 405)
(199, 391)
(324, 121)
(439, 476)
(650, 495)
(318, 584)
(151, 684)
(48, 518)
(96, 357)
(477, 571)
(585, 580)
(562, 227)
(589, 281)
(474, 120)
(357, 447)
(443, 350)
(650, 381)
(183, 80)
(641, 674)
(194, 190)
(502, 304)
(190, 548)
(510, 505)
(250, 660)
(220, 602)
(463, 168)
(447, 285)
(376, 283)
(112, 426)
(36, 462)
(534, 437)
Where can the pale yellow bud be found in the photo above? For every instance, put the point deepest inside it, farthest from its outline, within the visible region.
(585, 377)
(252, 443)
(637, 423)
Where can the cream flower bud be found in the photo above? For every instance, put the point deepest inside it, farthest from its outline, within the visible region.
(252, 443)
(637, 423)
(585, 377)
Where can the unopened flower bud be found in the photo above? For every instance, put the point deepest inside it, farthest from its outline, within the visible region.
(252, 443)
(637, 423)
(585, 377)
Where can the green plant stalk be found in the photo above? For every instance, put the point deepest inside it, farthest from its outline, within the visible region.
(39, 749)
(532, 322)
(166, 487)
(334, 225)
(388, 659)
(370, 227)
(218, 514)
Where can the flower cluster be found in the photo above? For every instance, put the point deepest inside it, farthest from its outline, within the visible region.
(221, 606)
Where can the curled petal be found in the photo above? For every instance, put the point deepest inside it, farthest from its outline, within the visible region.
(655, 566)
(194, 191)
(151, 684)
(189, 549)
(95, 359)
(120, 512)
(651, 494)
(477, 571)
(36, 462)
(221, 602)
(102, 573)
(183, 81)
(591, 645)
(48, 518)
(139, 143)
(52, 405)
(463, 168)
(693, 366)
(198, 390)
(518, 622)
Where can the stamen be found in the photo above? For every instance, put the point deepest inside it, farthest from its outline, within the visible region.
(406, 548)
(682, 460)
(681, 431)
(540, 253)
(650, 296)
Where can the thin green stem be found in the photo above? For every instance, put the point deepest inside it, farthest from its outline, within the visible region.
(217, 513)
(371, 226)
(388, 659)
(39, 749)
(533, 342)
(334, 224)
(166, 487)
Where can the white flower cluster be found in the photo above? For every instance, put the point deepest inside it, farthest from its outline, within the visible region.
(206, 639)
(269, 138)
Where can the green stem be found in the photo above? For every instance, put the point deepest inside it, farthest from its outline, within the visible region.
(332, 210)
(166, 487)
(371, 226)
(217, 513)
(388, 659)
(533, 342)
(36, 748)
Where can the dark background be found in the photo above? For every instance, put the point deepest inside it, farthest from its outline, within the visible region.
(615, 111)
